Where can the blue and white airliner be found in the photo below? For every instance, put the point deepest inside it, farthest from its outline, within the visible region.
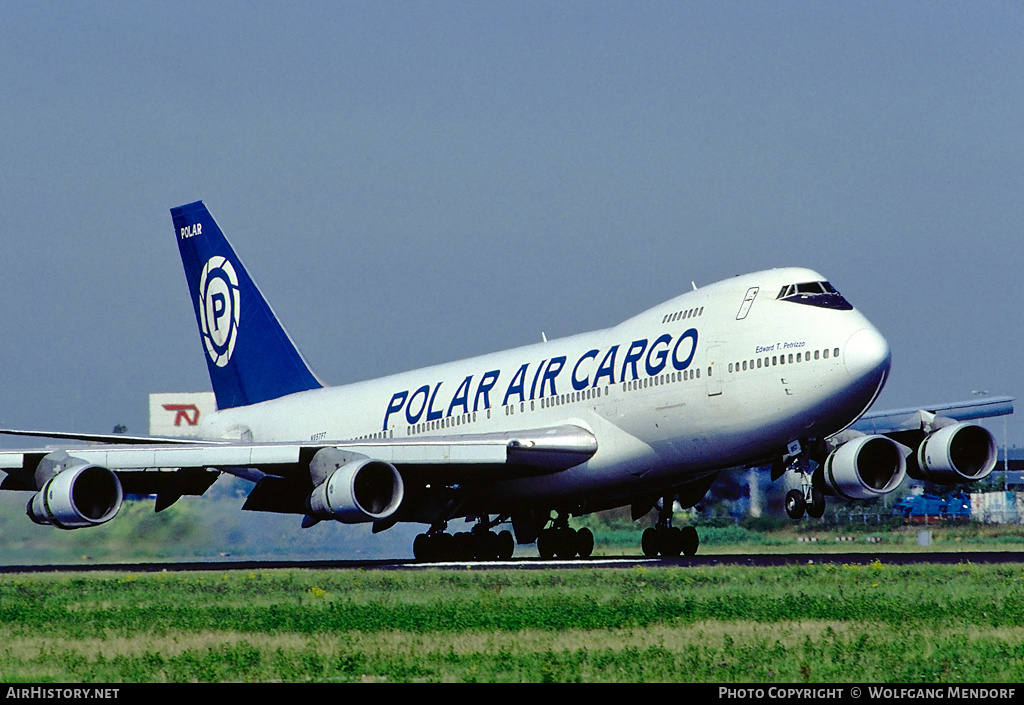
(774, 368)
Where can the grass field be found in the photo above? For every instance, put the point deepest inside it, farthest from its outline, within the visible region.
(812, 623)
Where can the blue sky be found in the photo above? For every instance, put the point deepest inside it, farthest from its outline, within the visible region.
(417, 182)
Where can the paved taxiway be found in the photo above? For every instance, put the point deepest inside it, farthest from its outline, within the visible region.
(753, 560)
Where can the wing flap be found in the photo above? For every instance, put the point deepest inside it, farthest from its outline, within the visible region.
(546, 449)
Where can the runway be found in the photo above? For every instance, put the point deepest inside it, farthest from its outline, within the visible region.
(606, 562)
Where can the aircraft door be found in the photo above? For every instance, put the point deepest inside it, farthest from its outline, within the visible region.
(748, 301)
(714, 372)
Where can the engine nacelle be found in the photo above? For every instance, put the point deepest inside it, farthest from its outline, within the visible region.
(962, 452)
(359, 491)
(80, 496)
(865, 468)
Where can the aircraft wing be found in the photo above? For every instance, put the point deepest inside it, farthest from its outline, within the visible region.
(916, 418)
(935, 443)
(941, 442)
(282, 470)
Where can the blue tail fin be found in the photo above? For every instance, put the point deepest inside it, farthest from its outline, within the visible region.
(250, 356)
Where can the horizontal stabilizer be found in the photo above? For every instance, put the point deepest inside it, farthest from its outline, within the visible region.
(112, 438)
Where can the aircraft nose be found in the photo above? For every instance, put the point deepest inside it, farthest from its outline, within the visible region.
(866, 352)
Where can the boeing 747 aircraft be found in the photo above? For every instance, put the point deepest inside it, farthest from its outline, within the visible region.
(772, 368)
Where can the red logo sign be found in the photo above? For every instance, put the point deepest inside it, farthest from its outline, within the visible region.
(189, 413)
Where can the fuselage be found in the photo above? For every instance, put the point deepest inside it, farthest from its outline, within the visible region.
(721, 376)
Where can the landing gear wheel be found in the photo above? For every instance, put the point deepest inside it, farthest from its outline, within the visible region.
(463, 546)
(430, 548)
(584, 543)
(546, 544)
(649, 542)
(667, 542)
(445, 546)
(558, 543)
(421, 548)
(506, 546)
(486, 546)
(565, 543)
(559, 540)
(795, 504)
(816, 509)
(671, 542)
(690, 540)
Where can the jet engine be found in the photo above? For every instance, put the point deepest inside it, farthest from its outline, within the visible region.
(865, 467)
(81, 495)
(962, 452)
(358, 491)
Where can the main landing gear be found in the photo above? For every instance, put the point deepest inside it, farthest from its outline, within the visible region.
(480, 544)
(666, 540)
(562, 541)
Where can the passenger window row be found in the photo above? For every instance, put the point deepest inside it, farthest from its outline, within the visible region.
(556, 400)
(376, 436)
(683, 315)
(658, 380)
(784, 359)
(439, 424)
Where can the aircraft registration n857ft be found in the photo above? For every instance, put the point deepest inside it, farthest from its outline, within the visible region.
(771, 367)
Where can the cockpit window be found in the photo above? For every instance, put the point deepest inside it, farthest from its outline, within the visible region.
(821, 294)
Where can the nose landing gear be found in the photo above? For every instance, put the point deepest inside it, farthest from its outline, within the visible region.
(808, 498)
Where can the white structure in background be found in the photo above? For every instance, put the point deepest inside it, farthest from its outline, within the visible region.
(754, 509)
(997, 507)
(179, 413)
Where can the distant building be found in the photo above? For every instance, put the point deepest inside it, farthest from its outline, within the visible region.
(997, 507)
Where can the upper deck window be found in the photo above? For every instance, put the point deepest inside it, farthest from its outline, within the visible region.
(821, 294)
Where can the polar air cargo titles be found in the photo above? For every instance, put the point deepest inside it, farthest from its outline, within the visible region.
(654, 362)
(772, 368)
